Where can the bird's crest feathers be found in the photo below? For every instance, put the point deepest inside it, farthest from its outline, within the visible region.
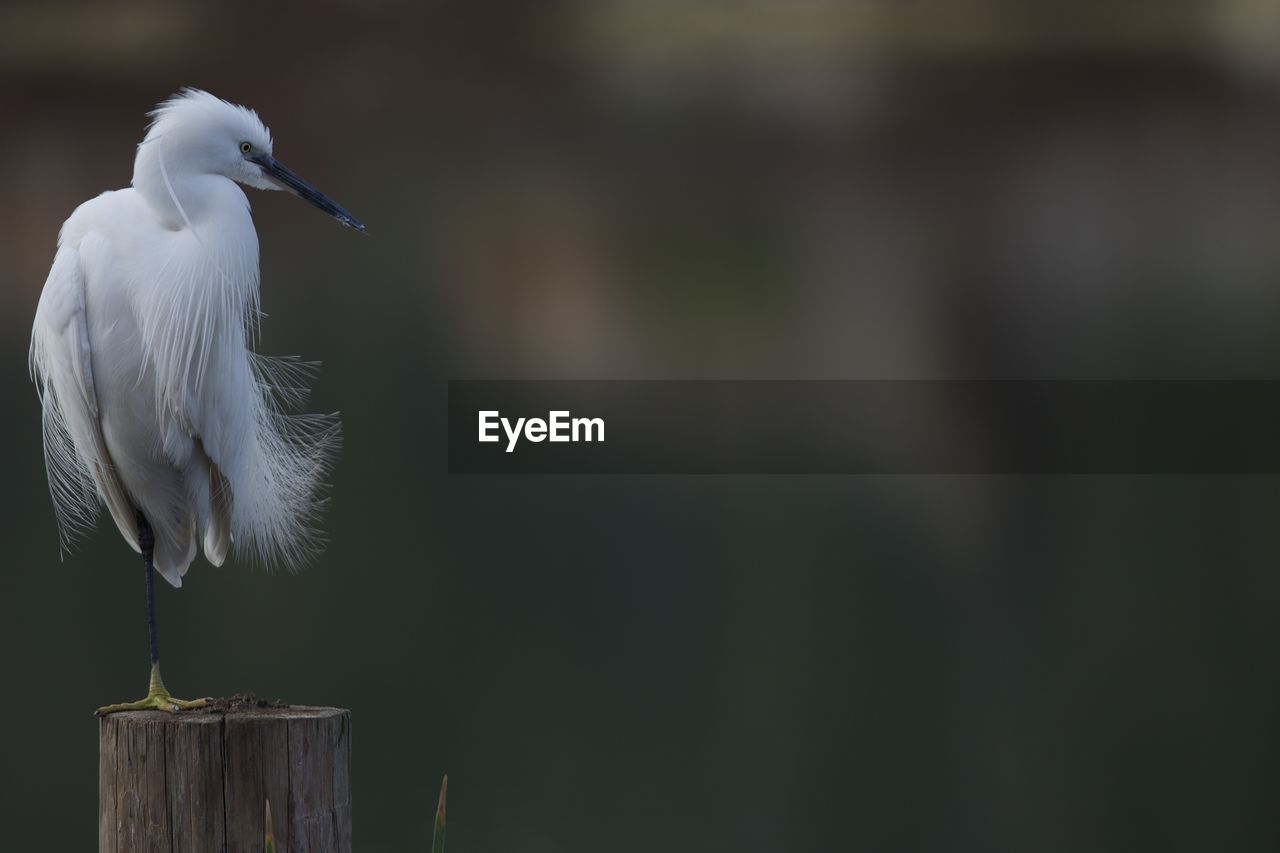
(198, 107)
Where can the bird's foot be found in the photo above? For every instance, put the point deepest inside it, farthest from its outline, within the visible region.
(154, 702)
(157, 699)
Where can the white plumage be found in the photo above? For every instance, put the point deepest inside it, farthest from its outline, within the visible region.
(142, 350)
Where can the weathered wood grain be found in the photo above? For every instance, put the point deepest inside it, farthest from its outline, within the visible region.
(107, 829)
(256, 769)
(198, 782)
(194, 771)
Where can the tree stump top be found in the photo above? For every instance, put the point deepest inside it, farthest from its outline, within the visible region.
(199, 781)
(222, 708)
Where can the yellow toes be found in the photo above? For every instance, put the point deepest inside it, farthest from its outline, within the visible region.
(154, 702)
(158, 699)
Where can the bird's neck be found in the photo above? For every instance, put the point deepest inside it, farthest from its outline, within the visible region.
(179, 198)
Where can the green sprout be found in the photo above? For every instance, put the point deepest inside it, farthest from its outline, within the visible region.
(437, 838)
(269, 842)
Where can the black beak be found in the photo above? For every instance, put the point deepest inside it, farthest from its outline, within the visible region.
(296, 185)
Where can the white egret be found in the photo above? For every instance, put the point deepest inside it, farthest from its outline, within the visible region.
(155, 403)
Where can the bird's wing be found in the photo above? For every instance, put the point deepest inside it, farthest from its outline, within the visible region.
(80, 469)
(62, 313)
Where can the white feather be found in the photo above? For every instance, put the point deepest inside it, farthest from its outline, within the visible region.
(142, 350)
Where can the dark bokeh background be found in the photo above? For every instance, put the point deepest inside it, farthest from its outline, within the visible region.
(658, 189)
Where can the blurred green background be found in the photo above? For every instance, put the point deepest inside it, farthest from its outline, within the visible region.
(663, 189)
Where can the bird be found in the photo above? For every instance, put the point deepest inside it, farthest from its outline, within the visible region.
(155, 401)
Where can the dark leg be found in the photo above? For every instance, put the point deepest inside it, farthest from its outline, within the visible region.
(147, 540)
(158, 697)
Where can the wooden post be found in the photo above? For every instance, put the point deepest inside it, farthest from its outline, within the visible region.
(199, 782)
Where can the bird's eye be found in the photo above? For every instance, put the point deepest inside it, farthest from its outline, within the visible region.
(245, 148)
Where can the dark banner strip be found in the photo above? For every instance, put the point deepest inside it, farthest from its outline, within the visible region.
(864, 427)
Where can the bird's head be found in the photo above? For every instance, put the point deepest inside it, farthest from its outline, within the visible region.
(197, 133)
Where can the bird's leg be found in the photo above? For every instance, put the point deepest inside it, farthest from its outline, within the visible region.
(158, 697)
